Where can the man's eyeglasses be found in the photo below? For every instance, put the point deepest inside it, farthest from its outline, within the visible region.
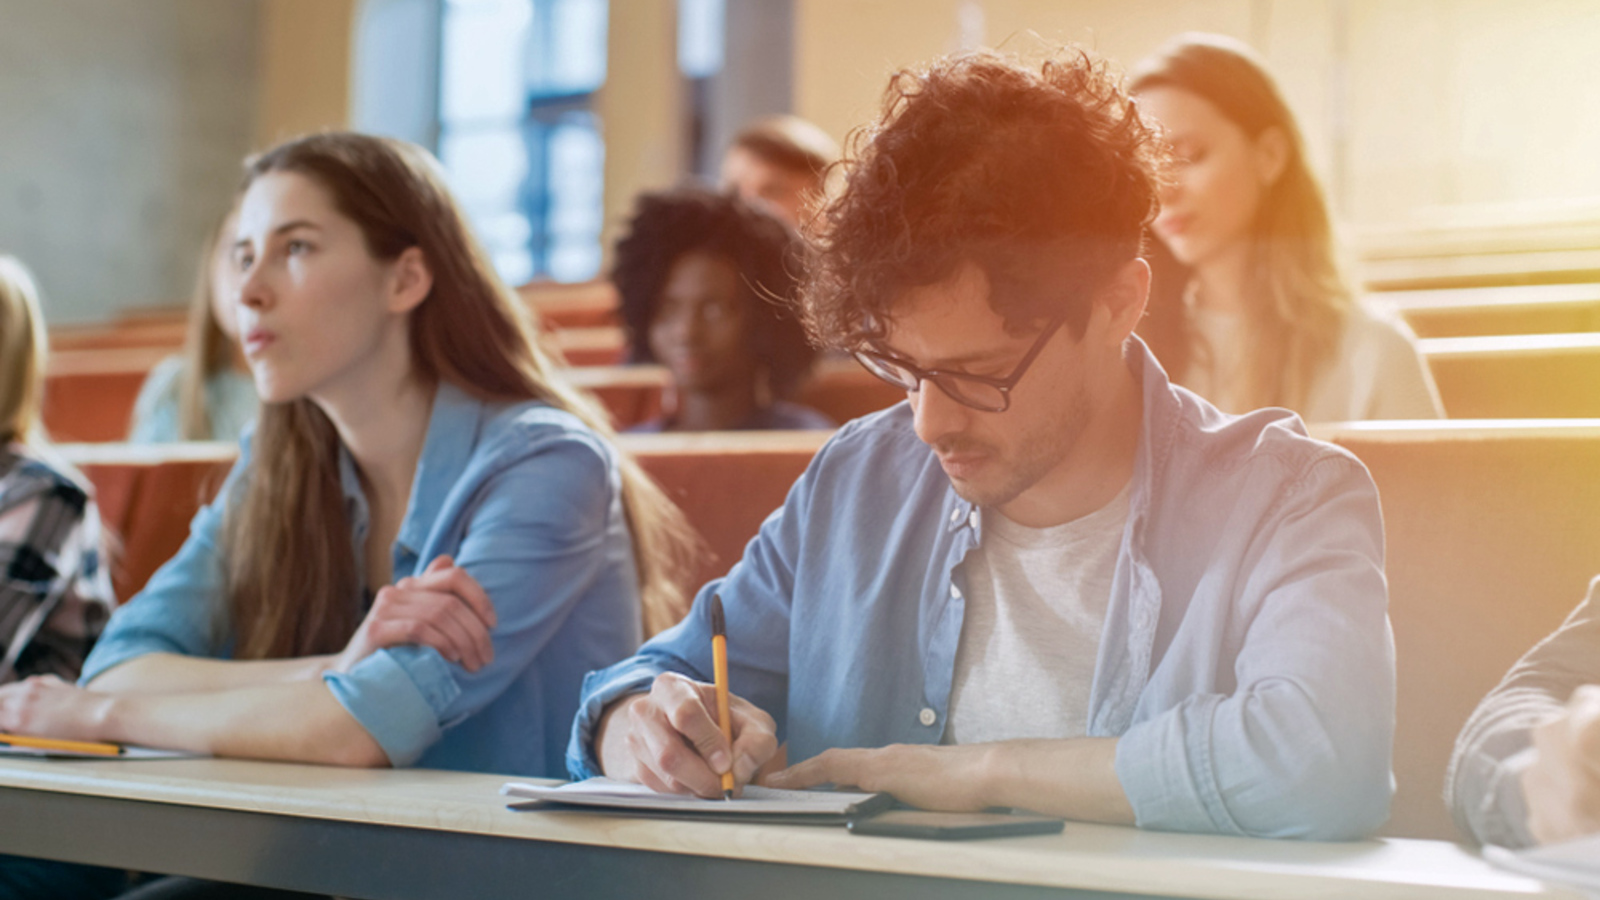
(977, 391)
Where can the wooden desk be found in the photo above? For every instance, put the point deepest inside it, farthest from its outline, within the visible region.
(1486, 311)
(425, 834)
(557, 305)
(1526, 376)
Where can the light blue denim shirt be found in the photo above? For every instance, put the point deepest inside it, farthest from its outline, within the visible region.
(528, 501)
(1246, 661)
(230, 399)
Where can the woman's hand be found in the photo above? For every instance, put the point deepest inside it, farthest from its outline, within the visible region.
(443, 608)
(46, 706)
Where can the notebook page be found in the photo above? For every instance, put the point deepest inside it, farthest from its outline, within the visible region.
(1574, 863)
(604, 792)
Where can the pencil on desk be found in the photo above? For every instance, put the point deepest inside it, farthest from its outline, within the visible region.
(719, 666)
(37, 743)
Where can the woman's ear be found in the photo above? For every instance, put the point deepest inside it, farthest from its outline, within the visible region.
(411, 282)
(1272, 154)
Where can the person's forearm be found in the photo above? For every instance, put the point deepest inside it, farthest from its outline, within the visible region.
(1075, 778)
(299, 722)
(172, 673)
(613, 755)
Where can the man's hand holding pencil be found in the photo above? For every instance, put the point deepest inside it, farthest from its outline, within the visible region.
(670, 741)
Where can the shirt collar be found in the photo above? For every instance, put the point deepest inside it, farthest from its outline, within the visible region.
(1162, 410)
(452, 437)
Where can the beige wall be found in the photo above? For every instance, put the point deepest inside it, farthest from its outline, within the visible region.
(845, 49)
(1411, 108)
(1473, 102)
(640, 107)
(305, 67)
(124, 126)
(1414, 111)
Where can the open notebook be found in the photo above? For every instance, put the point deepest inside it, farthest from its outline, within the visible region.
(1573, 863)
(754, 804)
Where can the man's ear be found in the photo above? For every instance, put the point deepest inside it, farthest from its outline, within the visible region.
(1272, 155)
(411, 281)
(1124, 299)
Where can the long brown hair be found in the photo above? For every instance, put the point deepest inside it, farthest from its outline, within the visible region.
(290, 572)
(207, 349)
(1297, 298)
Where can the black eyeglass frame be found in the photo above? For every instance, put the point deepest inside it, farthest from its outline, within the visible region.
(868, 356)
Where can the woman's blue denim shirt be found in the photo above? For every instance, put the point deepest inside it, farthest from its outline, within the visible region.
(528, 501)
(1246, 662)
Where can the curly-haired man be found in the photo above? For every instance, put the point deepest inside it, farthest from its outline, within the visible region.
(1051, 579)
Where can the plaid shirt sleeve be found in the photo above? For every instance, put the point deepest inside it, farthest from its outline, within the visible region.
(55, 594)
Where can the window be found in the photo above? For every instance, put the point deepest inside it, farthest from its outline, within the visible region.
(700, 28)
(518, 133)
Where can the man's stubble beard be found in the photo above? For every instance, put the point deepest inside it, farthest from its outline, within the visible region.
(1035, 455)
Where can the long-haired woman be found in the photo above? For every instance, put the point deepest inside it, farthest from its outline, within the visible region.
(428, 539)
(204, 393)
(1250, 309)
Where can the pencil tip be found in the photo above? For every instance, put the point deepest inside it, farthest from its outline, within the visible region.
(727, 795)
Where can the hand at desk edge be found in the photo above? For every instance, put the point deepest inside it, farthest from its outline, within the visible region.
(1073, 778)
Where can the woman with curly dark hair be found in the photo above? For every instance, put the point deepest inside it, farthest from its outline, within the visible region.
(707, 285)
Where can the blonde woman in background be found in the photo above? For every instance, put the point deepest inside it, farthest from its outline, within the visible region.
(55, 593)
(205, 393)
(1255, 312)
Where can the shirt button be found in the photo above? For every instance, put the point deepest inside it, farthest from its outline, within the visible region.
(973, 519)
(955, 515)
(955, 592)
(927, 716)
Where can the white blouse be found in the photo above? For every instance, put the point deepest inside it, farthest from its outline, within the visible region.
(1377, 372)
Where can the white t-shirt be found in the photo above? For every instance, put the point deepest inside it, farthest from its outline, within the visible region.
(1376, 373)
(1035, 606)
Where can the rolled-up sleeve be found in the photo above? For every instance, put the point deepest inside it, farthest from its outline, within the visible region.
(1302, 747)
(400, 703)
(535, 537)
(1484, 786)
(182, 608)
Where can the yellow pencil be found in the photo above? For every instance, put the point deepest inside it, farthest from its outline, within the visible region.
(38, 743)
(719, 665)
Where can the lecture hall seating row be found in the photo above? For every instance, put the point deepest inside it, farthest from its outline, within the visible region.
(1542, 304)
(89, 394)
(591, 304)
(1490, 528)
(1486, 246)
(1489, 311)
(137, 327)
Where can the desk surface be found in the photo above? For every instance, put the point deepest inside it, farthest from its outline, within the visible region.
(1085, 858)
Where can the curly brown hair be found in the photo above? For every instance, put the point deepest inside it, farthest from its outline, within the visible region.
(1044, 177)
(668, 225)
